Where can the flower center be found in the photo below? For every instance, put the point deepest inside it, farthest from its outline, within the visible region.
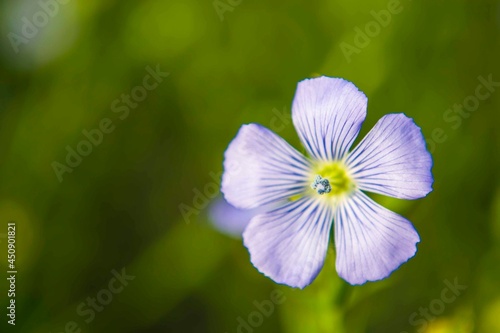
(331, 178)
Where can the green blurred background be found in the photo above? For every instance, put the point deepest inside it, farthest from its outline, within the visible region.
(120, 207)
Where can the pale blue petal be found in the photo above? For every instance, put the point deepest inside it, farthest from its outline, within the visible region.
(371, 241)
(289, 244)
(393, 160)
(261, 168)
(230, 220)
(328, 114)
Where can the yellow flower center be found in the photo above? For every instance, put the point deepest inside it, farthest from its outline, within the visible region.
(331, 179)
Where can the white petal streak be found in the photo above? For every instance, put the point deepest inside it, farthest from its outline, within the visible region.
(371, 241)
(289, 244)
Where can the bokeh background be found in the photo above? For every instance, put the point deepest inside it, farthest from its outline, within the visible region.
(232, 62)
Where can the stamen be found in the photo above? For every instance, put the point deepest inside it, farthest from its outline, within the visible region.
(321, 185)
